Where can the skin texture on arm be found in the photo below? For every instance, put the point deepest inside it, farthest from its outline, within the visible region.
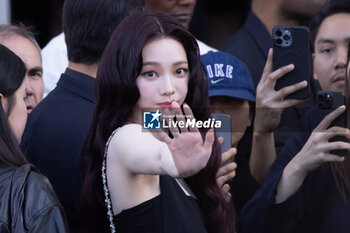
(315, 152)
(269, 107)
(181, 156)
(137, 156)
(136, 164)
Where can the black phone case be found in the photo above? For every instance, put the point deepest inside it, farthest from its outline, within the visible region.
(327, 102)
(291, 45)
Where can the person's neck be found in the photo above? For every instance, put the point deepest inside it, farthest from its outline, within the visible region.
(270, 14)
(90, 70)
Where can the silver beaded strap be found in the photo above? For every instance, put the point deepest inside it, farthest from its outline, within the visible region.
(108, 201)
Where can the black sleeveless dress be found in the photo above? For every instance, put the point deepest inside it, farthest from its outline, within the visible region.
(170, 212)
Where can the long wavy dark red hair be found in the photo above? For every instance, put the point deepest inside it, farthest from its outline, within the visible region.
(116, 96)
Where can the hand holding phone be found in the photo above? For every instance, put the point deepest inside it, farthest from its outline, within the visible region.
(328, 101)
(224, 131)
(291, 45)
(224, 175)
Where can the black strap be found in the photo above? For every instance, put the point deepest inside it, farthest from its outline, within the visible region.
(17, 197)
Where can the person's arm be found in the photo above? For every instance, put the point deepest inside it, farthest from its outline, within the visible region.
(269, 107)
(262, 212)
(46, 215)
(49, 220)
(142, 152)
(262, 156)
(315, 152)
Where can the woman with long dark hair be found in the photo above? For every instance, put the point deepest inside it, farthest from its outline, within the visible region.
(152, 180)
(28, 202)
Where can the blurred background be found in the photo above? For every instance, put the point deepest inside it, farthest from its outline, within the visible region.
(213, 22)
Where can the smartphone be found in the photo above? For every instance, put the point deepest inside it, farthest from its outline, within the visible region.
(291, 45)
(224, 131)
(328, 101)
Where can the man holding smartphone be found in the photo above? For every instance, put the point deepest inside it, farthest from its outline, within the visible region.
(308, 187)
(231, 91)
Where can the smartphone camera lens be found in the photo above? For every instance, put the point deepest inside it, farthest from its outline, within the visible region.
(321, 98)
(325, 101)
(279, 41)
(329, 100)
(286, 37)
(278, 33)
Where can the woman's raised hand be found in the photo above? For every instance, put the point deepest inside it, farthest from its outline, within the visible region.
(187, 147)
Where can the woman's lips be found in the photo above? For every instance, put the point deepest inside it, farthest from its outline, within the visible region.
(166, 104)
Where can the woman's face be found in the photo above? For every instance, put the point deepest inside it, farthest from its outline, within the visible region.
(164, 75)
(18, 113)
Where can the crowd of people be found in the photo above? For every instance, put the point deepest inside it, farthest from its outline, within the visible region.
(102, 130)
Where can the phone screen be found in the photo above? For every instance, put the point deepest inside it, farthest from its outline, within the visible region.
(224, 131)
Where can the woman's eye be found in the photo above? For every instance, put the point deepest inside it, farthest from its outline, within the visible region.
(181, 71)
(149, 74)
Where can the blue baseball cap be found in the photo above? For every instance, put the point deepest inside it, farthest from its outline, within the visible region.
(228, 76)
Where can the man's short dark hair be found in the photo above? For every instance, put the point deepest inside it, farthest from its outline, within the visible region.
(88, 24)
(332, 7)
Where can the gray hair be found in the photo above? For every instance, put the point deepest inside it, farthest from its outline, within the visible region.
(7, 31)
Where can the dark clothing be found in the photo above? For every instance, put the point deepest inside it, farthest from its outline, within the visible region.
(170, 212)
(41, 210)
(55, 133)
(243, 186)
(251, 44)
(316, 207)
(145, 217)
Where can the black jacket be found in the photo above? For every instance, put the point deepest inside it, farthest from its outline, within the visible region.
(41, 210)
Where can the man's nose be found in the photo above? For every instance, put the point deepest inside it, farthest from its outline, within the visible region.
(28, 86)
(341, 58)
